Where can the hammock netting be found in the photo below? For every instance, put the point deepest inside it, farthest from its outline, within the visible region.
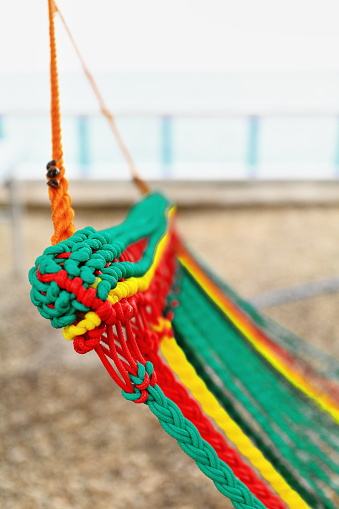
(256, 407)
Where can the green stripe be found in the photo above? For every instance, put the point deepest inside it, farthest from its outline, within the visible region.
(325, 365)
(301, 410)
(199, 323)
(211, 379)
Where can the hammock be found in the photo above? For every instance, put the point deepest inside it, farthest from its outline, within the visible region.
(254, 406)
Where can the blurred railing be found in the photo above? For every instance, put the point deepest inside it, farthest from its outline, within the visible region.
(201, 145)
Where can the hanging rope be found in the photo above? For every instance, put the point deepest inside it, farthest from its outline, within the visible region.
(140, 183)
(61, 204)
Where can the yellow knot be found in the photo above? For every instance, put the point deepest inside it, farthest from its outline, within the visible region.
(90, 321)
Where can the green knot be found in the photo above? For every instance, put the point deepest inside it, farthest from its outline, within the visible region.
(141, 382)
(64, 272)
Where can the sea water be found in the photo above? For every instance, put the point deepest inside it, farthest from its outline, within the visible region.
(177, 125)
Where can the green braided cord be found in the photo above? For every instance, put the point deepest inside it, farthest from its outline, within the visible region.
(188, 437)
(184, 322)
(91, 251)
(324, 364)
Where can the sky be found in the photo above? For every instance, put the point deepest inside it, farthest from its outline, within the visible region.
(177, 35)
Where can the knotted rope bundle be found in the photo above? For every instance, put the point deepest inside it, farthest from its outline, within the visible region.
(109, 290)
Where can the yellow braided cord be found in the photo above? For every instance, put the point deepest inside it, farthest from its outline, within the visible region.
(188, 376)
(90, 321)
(123, 289)
(323, 400)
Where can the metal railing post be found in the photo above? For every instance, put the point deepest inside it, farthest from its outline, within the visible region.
(166, 145)
(83, 144)
(16, 217)
(336, 156)
(2, 127)
(253, 146)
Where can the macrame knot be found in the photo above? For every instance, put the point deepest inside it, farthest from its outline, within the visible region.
(63, 276)
(144, 379)
(107, 312)
(124, 310)
(88, 341)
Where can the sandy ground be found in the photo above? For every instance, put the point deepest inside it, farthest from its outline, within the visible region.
(67, 437)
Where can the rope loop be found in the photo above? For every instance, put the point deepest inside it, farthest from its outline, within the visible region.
(141, 381)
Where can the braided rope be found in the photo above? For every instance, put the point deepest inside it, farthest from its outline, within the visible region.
(61, 203)
(188, 437)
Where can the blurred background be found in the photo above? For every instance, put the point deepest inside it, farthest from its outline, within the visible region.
(233, 109)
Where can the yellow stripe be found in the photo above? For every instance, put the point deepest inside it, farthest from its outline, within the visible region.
(187, 374)
(321, 398)
(123, 289)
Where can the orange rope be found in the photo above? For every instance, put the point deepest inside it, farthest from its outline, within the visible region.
(62, 212)
(141, 184)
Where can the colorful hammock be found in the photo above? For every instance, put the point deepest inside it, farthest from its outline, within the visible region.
(247, 400)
